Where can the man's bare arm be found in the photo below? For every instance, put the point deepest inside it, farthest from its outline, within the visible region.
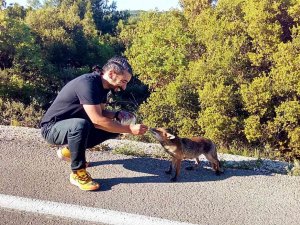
(100, 121)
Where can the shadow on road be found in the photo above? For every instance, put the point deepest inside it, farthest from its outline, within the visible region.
(154, 172)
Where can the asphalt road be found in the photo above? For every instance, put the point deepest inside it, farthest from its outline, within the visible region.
(29, 168)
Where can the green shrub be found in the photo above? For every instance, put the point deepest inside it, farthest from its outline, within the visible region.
(174, 106)
(17, 114)
(253, 128)
(257, 96)
(284, 130)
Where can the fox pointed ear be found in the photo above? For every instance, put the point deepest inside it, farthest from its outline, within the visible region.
(170, 136)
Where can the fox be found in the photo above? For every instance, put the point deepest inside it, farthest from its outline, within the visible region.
(186, 148)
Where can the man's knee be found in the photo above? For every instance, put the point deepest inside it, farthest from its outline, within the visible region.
(98, 136)
(80, 127)
(81, 124)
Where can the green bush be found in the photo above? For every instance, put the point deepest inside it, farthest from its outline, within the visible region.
(17, 114)
(237, 80)
(174, 106)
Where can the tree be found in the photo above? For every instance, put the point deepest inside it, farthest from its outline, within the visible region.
(106, 16)
(158, 50)
(175, 106)
(192, 8)
(18, 46)
(68, 35)
(241, 71)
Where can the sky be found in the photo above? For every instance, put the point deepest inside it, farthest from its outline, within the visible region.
(161, 5)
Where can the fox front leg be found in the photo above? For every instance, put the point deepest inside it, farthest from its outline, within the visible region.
(177, 167)
(169, 171)
(172, 164)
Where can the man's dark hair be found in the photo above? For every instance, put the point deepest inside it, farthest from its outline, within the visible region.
(118, 64)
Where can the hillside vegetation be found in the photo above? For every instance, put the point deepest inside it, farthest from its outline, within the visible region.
(227, 69)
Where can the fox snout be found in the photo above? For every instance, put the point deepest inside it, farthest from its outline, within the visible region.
(152, 130)
(161, 134)
(157, 134)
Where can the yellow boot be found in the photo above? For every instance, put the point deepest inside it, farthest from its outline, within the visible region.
(82, 179)
(65, 155)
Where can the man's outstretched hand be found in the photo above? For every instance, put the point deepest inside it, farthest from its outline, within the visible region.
(138, 129)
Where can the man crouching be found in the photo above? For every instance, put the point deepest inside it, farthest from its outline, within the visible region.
(78, 118)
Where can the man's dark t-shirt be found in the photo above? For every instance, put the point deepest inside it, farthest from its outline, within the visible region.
(86, 89)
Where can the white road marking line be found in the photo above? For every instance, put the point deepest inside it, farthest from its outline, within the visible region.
(80, 212)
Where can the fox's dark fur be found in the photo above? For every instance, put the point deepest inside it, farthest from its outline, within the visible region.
(185, 148)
